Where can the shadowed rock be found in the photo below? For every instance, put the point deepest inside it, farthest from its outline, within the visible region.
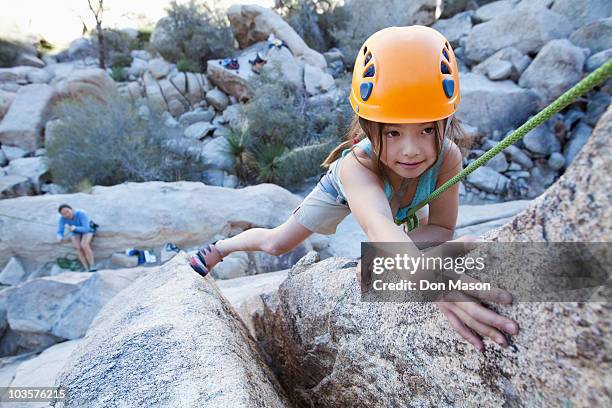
(169, 339)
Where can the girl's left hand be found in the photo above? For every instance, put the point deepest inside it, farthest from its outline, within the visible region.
(71, 227)
(468, 316)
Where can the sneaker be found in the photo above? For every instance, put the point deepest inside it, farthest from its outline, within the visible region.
(93, 269)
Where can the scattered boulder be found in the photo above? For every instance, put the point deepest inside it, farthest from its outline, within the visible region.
(487, 38)
(542, 177)
(508, 105)
(498, 163)
(13, 153)
(492, 10)
(137, 67)
(215, 154)
(556, 68)
(62, 306)
(158, 68)
(596, 106)
(93, 82)
(192, 117)
(284, 66)
(232, 116)
(582, 12)
(233, 266)
(456, 27)
(316, 80)
(518, 156)
(487, 179)
(171, 321)
(34, 168)
(556, 161)
(29, 60)
(199, 130)
(217, 99)
(542, 140)
(23, 123)
(13, 273)
(6, 98)
(596, 36)
(579, 137)
(507, 63)
(597, 60)
(15, 186)
(231, 82)
(253, 23)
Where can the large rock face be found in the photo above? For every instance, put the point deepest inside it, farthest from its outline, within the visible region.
(142, 215)
(170, 329)
(331, 349)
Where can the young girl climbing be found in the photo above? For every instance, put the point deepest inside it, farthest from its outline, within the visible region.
(399, 148)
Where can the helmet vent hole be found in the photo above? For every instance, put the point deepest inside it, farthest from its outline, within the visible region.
(449, 87)
(445, 69)
(368, 57)
(369, 72)
(447, 46)
(365, 90)
(445, 55)
(365, 50)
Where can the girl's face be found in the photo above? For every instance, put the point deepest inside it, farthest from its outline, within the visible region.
(409, 148)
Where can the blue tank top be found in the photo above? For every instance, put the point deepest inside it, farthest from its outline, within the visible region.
(426, 183)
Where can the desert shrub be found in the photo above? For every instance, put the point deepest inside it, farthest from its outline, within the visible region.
(118, 73)
(121, 60)
(303, 162)
(193, 31)
(187, 65)
(314, 20)
(285, 127)
(143, 38)
(108, 143)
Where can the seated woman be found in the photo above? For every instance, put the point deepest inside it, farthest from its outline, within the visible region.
(81, 233)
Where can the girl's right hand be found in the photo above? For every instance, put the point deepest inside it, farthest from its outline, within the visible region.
(470, 318)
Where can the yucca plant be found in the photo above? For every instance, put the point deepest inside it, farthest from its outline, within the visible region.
(239, 143)
(268, 162)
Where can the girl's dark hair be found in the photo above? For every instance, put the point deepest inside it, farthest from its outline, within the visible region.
(61, 207)
(361, 128)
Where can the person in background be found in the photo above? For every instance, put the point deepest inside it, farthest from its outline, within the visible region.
(81, 233)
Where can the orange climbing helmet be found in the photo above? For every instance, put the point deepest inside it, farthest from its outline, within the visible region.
(405, 75)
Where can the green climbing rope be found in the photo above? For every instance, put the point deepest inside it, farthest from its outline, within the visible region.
(586, 84)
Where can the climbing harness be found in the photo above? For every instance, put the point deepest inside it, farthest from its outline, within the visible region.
(596, 77)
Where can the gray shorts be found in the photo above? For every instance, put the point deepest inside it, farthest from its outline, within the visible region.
(320, 213)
